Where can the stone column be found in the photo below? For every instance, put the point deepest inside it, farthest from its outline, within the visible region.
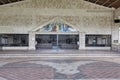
(119, 36)
(81, 40)
(0, 39)
(119, 41)
(32, 41)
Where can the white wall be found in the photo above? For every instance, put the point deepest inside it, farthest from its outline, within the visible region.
(90, 22)
(27, 15)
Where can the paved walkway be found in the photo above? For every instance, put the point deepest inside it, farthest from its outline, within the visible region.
(75, 65)
(61, 51)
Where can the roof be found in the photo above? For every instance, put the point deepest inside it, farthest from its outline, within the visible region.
(107, 3)
(3, 2)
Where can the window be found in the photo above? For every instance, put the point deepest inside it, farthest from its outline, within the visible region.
(13, 39)
(98, 40)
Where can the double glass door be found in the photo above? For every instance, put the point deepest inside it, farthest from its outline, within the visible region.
(55, 41)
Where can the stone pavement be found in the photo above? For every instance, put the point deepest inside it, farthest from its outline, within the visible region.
(59, 51)
(60, 68)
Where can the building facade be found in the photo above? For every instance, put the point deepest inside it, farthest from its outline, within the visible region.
(51, 24)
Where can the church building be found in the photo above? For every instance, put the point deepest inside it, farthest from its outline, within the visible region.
(60, 24)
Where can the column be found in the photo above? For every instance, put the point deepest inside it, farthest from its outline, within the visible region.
(0, 42)
(32, 41)
(81, 40)
(119, 41)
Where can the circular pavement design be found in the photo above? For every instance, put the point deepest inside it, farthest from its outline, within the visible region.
(60, 69)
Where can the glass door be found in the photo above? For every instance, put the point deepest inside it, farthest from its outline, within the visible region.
(54, 40)
(68, 41)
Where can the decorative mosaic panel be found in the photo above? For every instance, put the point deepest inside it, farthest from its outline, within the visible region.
(57, 27)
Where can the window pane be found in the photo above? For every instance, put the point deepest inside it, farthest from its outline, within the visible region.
(98, 40)
(13, 39)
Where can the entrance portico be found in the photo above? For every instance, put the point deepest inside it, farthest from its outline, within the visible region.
(56, 33)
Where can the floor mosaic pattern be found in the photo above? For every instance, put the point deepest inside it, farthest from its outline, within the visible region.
(59, 69)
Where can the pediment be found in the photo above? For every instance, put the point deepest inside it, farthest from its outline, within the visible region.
(56, 25)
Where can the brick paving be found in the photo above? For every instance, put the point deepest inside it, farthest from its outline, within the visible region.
(101, 70)
(37, 70)
(61, 65)
(27, 73)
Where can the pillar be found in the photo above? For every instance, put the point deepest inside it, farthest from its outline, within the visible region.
(119, 36)
(32, 41)
(119, 41)
(0, 42)
(81, 40)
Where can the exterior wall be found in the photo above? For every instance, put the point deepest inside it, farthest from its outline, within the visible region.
(89, 22)
(88, 18)
(57, 4)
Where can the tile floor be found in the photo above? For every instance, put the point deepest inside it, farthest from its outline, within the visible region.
(60, 68)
